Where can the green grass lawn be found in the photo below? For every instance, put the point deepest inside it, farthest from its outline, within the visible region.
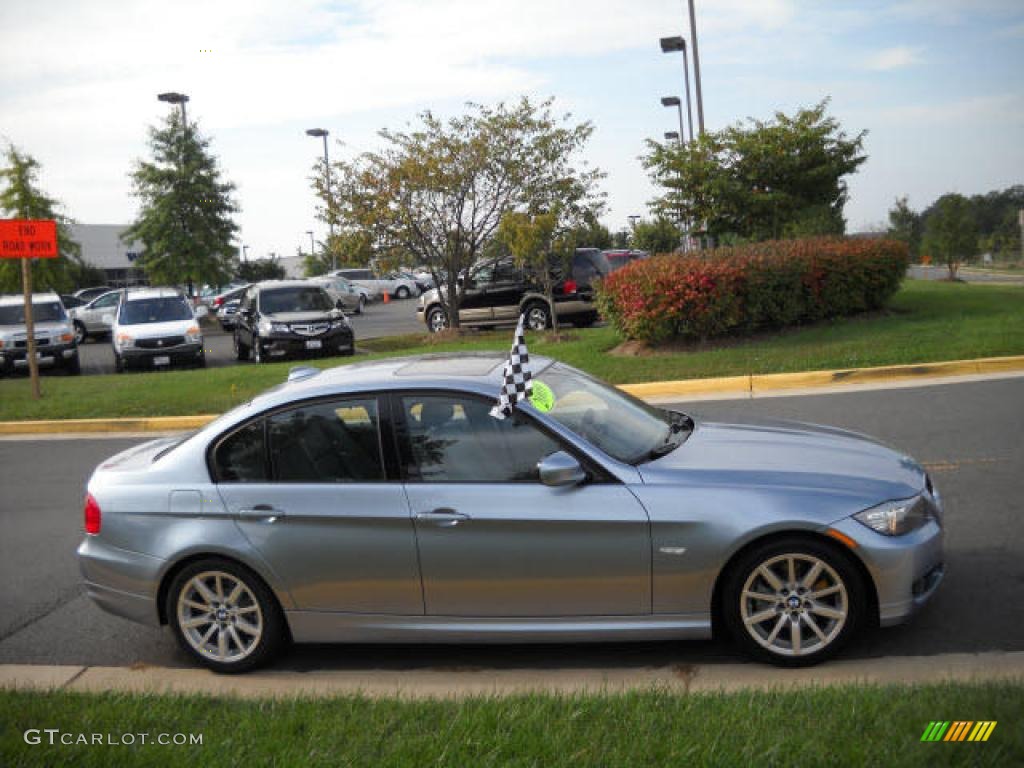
(926, 322)
(856, 726)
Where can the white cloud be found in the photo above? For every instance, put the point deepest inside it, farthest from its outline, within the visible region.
(897, 57)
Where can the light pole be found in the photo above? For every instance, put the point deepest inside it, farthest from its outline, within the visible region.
(678, 45)
(312, 245)
(245, 252)
(672, 136)
(673, 101)
(181, 99)
(696, 70)
(322, 133)
(633, 219)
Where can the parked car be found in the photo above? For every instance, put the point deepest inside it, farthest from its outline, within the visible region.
(88, 319)
(88, 294)
(155, 328)
(497, 292)
(620, 258)
(382, 503)
(354, 298)
(216, 300)
(70, 302)
(227, 313)
(55, 340)
(279, 318)
(392, 284)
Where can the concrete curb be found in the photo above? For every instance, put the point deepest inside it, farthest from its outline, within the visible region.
(751, 385)
(449, 683)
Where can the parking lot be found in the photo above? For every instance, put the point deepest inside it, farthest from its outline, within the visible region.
(392, 319)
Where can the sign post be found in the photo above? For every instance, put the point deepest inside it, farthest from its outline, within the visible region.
(29, 239)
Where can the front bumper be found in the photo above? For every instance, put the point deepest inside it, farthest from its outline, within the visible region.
(49, 356)
(339, 340)
(906, 570)
(119, 581)
(180, 354)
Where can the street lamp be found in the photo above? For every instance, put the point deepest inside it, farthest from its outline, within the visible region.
(673, 101)
(181, 99)
(245, 252)
(672, 136)
(322, 133)
(678, 45)
(312, 246)
(633, 220)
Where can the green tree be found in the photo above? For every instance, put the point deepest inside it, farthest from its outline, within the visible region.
(951, 235)
(256, 270)
(658, 236)
(436, 193)
(591, 233)
(759, 180)
(21, 198)
(347, 248)
(185, 222)
(906, 224)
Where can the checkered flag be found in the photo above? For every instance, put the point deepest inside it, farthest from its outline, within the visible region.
(518, 383)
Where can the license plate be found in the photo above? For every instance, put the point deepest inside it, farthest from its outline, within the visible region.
(314, 344)
(162, 360)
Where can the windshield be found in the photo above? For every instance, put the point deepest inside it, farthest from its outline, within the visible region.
(298, 299)
(50, 312)
(625, 428)
(157, 310)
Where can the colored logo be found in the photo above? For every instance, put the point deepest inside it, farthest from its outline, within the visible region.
(958, 730)
(542, 398)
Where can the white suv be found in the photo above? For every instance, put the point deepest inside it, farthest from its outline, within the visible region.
(155, 328)
(394, 285)
(55, 340)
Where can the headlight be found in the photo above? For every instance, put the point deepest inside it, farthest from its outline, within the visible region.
(894, 518)
(124, 340)
(266, 326)
(193, 335)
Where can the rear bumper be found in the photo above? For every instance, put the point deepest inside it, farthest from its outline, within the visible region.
(906, 570)
(119, 581)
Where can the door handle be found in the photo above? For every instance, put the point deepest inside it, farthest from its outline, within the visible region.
(443, 517)
(262, 511)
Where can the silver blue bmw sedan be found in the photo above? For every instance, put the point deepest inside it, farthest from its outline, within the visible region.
(381, 502)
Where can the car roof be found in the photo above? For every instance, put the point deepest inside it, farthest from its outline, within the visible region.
(271, 284)
(37, 298)
(152, 293)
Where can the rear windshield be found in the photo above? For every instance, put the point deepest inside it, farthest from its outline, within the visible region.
(588, 266)
(298, 299)
(159, 310)
(50, 312)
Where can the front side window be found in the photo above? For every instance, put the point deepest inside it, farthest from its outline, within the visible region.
(241, 457)
(107, 300)
(327, 442)
(454, 439)
(157, 310)
(297, 299)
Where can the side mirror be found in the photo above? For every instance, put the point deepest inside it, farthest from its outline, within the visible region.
(339, 304)
(107, 319)
(560, 470)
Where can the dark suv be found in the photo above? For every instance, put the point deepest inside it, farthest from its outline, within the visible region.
(496, 292)
(290, 318)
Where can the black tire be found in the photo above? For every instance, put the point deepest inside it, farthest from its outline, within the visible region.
(74, 366)
(257, 351)
(538, 316)
(437, 319)
(119, 366)
(273, 630)
(241, 351)
(402, 292)
(361, 305)
(790, 608)
(81, 336)
(201, 360)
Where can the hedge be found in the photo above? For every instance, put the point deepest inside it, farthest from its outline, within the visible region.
(764, 285)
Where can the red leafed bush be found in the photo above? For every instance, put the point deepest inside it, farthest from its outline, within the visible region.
(764, 285)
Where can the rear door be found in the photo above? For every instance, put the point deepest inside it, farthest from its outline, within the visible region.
(92, 314)
(310, 491)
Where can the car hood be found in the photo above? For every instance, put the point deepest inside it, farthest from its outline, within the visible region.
(788, 454)
(300, 317)
(155, 330)
(49, 328)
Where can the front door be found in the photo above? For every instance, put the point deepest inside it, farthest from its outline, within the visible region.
(493, 540)
(474, 307)
(310, 492)
(92, 315)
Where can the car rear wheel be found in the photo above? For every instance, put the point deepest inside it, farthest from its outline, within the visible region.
(793, 602)
(241, 351)
(538, 317)
(402, 292)
(362, 303)
(437, 320)
(73, 367)
(225, 616)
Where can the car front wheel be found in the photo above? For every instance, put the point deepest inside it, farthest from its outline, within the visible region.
(225, 616)
(241, 351)
(437, 320)
(793, 602)
(538, 317)
(362, 303)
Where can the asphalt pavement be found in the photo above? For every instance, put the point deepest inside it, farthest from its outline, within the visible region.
(378, 319)
(967, 274)
(966, 434)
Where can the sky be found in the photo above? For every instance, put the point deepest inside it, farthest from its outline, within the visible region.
(937, 84)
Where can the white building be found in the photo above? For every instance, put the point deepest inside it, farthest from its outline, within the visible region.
(102, 248)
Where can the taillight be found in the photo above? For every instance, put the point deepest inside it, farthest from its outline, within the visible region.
(93, 516)
(218, 301)
(569, 286)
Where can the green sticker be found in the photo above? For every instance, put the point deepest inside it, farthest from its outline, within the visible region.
(542, 398)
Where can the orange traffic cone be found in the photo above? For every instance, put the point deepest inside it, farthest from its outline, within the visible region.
(386, 297)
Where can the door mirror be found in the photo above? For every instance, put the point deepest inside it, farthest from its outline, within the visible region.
(339, 304)
(560, 470)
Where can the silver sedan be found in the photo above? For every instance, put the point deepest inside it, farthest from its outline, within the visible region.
(381, 502)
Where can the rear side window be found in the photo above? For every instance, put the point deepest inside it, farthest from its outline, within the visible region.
(241, 457)
(327, 442)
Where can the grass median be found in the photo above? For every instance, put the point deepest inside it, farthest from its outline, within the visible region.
(926, 322)
(827, 726)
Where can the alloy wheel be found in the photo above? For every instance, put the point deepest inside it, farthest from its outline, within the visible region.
(537, 318)
(219, 616)
(794, 604)
(438, 320)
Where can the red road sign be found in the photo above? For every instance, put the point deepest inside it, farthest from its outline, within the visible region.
(28, 239)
